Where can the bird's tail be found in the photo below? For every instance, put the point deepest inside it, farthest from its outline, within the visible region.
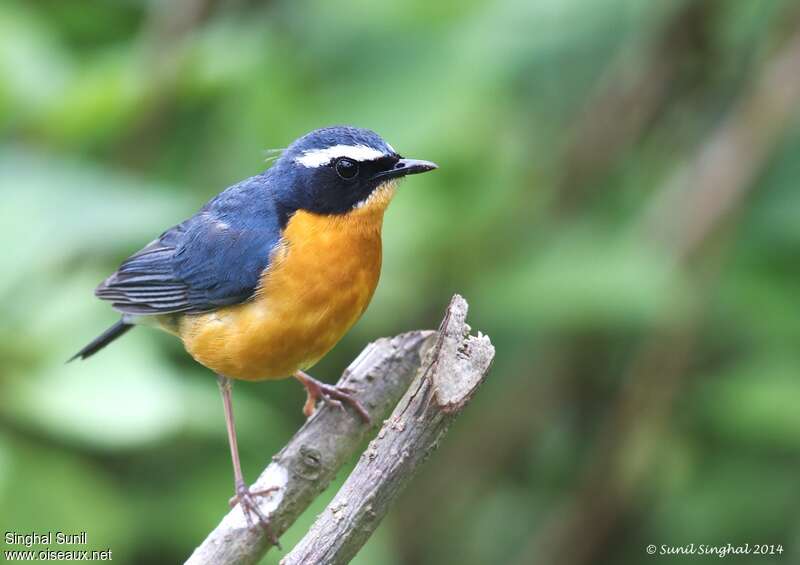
(102, 340)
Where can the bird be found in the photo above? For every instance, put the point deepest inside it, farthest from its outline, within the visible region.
(271, 273)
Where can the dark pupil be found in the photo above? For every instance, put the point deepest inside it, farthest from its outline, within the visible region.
(346, 168)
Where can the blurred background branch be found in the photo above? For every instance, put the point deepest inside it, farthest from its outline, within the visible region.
(692, 206)
(633, 93)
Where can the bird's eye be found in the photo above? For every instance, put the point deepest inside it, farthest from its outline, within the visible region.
(346, 168)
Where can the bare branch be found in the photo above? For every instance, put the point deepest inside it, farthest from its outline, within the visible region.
(453, 370)
(305, 467)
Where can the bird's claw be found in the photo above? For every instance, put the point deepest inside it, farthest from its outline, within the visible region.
(332, 395)
(246, 498)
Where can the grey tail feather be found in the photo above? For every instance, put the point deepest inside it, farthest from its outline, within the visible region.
(102, 340)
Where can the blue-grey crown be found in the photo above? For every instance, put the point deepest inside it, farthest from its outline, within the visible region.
(339, 135)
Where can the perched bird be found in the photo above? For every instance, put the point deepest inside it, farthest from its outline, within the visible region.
(270, 274)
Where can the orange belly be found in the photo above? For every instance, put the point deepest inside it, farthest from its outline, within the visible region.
(320, 280)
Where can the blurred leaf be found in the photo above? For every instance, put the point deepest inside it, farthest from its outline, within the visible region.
(584, 280)
(754, 404)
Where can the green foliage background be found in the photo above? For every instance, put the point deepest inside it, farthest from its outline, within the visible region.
(634, 400)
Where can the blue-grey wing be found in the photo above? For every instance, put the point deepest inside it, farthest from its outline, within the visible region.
(209, 261)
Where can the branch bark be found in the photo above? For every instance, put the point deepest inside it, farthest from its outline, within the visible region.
(451, 373)
(307, 464)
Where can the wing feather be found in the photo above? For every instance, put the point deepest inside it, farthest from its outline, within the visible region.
(213, 259)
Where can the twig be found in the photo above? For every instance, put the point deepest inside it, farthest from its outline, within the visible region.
(305, 467)
(452, 372)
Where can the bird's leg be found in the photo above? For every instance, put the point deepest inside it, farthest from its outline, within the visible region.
(243, 495)
(329, 394)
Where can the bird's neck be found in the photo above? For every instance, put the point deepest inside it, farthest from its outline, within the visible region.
(365, 219)
(368, 216)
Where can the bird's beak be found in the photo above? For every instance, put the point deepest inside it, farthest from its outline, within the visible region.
(407, 167)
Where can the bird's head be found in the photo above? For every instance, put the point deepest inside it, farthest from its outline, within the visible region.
(337, 170)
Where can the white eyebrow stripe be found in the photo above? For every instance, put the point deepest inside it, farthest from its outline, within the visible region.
(319, 157)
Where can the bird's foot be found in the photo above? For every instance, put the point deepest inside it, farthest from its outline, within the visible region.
(246, 498)
(332, 395)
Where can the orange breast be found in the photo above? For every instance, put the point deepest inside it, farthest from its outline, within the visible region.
(320, 280)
